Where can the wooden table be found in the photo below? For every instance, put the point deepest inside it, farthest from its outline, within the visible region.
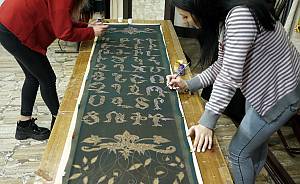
(212, 164)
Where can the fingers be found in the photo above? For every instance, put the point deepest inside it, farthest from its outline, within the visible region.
(200, 143)
(205, 144)
(95, 23)
(196, 141)
(104, 26)
(169, 78)
(98, 23)
(174, 82)
(191, 131)
(100, 29)
(210, 142)
(203, 138)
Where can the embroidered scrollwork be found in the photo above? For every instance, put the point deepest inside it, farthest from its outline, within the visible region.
(141, 103)
(117, 87)
(98, 76)
(156, 69)
(158, 89)
(91, 118)
(119, 59)
(119, 102)
(100, 67)
(137, 117)
(119, 117)
(127, 144)
(97, 87)
(135, 90)
(156, 101)
(118, 78)
(134, 77)
(138, 60)
(138, 68)
(120, 66)
(92, 100)
(161, 79)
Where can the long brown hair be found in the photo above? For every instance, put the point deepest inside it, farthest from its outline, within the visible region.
(77, 6)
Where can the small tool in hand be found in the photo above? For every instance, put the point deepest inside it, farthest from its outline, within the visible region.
(178, 73)
(99, 20)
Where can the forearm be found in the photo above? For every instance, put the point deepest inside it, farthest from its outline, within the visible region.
(77, 35)
(220, 97)
(205, 78)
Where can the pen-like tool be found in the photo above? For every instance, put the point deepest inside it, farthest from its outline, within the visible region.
(178, 73)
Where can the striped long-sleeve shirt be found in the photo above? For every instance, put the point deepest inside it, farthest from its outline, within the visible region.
(264, 65)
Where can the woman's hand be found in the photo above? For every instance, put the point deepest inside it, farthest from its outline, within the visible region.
(99, 29)
(203, 137)
(94, 23)
(177, 83)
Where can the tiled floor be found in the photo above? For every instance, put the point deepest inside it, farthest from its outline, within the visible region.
(20, 159)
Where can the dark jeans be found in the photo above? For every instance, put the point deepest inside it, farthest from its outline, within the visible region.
(37, 70)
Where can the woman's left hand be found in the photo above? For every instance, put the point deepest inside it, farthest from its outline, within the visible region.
(203, 137)
(94, 23)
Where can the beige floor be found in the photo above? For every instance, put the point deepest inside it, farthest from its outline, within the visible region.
(19, 159)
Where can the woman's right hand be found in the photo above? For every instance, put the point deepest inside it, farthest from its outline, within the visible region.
(99, 29)
(177, 83)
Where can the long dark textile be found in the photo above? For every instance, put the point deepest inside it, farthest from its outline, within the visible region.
(129, 127)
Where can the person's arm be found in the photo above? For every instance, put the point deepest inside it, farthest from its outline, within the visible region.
(202, 80)
(62, 24)
(240, 33)
(208, 76)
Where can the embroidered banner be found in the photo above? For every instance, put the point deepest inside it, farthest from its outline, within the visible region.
(129, 127)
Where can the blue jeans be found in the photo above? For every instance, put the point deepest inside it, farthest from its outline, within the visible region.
(248, 148)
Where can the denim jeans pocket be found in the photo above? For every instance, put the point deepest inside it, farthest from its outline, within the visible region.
(295, 107)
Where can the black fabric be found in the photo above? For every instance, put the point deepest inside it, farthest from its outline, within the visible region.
(235, 109)
(52, 122)
(129, 126)
(31, 130)
(24, 123)
(37, 70)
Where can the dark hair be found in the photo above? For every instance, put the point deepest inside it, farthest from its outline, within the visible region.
(77, 7)
(211, 13)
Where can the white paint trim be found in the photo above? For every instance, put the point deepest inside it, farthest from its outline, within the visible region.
(292, 17)
(196, 165)
(116, 9)
(67, 148)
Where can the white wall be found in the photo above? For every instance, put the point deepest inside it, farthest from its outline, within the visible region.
(293, 17)
(177, 19)
(116, 9)
(148, 9)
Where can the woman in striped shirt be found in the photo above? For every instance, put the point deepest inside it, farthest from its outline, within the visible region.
(256, 56)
